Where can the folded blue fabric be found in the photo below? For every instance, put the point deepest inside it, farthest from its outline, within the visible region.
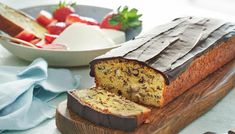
(25, 91)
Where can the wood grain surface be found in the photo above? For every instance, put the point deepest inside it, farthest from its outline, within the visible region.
(169, 119)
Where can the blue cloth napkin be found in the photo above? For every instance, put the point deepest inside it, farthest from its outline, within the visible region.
(25, 92)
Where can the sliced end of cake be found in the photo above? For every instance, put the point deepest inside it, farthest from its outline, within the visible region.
(14, 21)
(107, 109)
(131, 79)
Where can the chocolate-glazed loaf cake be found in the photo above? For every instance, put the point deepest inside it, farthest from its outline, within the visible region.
(107, 109)
(155, 68)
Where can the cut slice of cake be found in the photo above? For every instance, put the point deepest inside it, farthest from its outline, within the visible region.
(14, 21)
(107, 109)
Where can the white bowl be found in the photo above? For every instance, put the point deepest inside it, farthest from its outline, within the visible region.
(65, 58)
(62, 58)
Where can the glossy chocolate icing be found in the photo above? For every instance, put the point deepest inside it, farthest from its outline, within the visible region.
(170, 48)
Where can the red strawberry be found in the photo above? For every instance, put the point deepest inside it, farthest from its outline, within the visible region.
(25, 35)
(72, 18)
(63, 10)
(56, 28)
(44, 18)
(122, 20)
(49, 38)
(107, 23)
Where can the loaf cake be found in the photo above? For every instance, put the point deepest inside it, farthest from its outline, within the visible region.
(14, 21)
(107, 109)
(155, 68)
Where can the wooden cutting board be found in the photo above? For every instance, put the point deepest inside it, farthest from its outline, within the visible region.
(168, 120)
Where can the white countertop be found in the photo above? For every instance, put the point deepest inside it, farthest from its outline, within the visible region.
(219, 119)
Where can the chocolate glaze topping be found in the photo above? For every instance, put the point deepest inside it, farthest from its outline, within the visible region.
(170, 48)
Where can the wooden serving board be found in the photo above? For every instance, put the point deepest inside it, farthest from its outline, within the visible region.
(169, 119)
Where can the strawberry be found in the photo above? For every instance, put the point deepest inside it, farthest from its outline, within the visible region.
(49, 38)
(122, 19)
(56, 28)
(108, 23)
(25, 35)
(72, 18)
(63, 10)
(44, 18)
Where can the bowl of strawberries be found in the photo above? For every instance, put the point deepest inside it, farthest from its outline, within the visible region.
(69, 34)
